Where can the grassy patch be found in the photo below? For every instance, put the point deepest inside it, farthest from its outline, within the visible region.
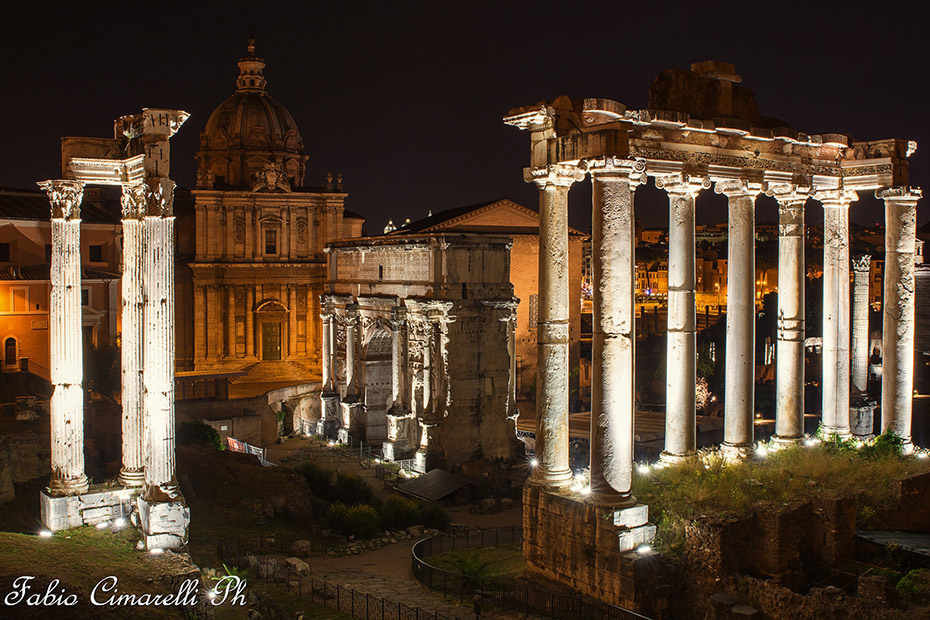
(711, 486)
(502, 561)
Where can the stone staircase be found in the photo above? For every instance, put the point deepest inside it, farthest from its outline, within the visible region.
(274, 372)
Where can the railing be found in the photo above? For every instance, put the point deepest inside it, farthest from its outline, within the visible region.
(504, 595)
(345, 600)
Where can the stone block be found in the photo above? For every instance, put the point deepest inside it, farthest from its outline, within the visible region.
(164, 524)
(744, 611)
(95, 506)
(633, 516)
(298, 565)
(302, 547)
(634, 537)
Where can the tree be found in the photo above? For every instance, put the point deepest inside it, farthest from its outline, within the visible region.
(102, 370)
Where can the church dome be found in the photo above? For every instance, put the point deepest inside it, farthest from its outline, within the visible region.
(248, 132)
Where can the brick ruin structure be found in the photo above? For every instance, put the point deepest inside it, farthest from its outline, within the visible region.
(701, 129)
(137, 160)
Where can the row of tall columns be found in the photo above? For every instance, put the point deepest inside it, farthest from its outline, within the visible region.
(789, 353)
(898, 310)
(66, 407)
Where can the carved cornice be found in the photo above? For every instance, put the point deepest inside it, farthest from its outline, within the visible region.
(899, 194)
(560, 175)
(733, 188)
(862, 262)
(65, 197)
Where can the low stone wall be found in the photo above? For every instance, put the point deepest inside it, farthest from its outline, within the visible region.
(913, 506)
(577, 545)
(23, 457)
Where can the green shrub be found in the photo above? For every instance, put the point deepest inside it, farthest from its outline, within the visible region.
(352, 489)
(361, 520)
(914, 587)
(885, 445)
(198, 433)
(399, 512)
(435, 516)
(318, 478)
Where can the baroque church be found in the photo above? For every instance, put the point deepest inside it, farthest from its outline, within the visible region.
(251, 247)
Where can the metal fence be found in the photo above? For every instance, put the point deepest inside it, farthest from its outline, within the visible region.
(504, 595)
(315, 590)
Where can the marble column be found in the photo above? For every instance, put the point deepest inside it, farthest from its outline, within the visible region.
(835, 417)
(326, 360)
(898, 310)
(614, 337)
(161, 483)
(134, 200)
(249, 321)
(862, 265)
(552, 469)
(351, 359)
(231, 321)
(789, 355)
(66, 407)
(398, 320)
(741, 317)
(681, 359)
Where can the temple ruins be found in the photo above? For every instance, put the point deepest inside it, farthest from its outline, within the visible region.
(701, 129)
(137, 160)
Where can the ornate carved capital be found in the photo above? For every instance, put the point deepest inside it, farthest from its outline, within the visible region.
(683, 184)
(788, 194)
(134, 201)
(563, 175)
(861, 262)
(65, 197)
(398, 317)
(615, 167)
(160, 198)
(732, 188)
(351, 317)
(899, 194)
(839, 197)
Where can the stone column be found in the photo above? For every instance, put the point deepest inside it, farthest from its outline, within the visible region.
(835, 418)
(329, 422)
(249, 321)
(158, 352)
(134, 200)
(292, 321)
(741, 316)
(789, 356)
(327, 351)
(862, 265)
(552, 469)
(681, 364)
(231, 321)
(66, 407)
(351, 363)
(398, 319)
(614, 338)
(898, 311)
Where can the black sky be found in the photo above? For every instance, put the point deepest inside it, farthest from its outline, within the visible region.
(406, 98)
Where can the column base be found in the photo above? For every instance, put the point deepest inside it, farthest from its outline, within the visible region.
(558, 480)
(98, 505)
(787, 441)
(131, 478)
(329, 406)
(425, 461)
(396, 450)
(71, 486)
(352, 424)
(613, 500)
(841, 432)
(327, 427)
(907, 448)
(164, 525)
(673, 459)
(735, 452)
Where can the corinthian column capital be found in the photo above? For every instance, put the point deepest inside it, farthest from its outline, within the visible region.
(134, 201)
(839, 197)
(615, 167)
(65, 197)
(683, 184)
(160, 202)
(734, 188)
(899, 194)
(788, 194)
(561, 175)
(862, 262)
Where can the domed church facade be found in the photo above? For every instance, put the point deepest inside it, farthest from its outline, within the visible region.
(258, 266)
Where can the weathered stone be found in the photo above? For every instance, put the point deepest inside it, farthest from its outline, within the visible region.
(302, 548)
(298, 565)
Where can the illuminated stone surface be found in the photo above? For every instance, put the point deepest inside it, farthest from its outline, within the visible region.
(860, 327)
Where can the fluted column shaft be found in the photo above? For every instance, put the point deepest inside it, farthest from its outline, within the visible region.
(860, 322)
(351, 325)
(66, 407)
(398, 318)
(552, 337)
(613, 339)
(158, 276)
(132, 338)
(326, 360)
(741, 317)
(681, 360)
(898, 312)
(789, 355)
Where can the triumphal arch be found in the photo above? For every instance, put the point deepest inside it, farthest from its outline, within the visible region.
(137, 160)
(701, 130)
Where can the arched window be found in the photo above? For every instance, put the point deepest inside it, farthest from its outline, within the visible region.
(9, 352)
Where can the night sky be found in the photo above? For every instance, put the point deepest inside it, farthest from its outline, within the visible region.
(406, 98)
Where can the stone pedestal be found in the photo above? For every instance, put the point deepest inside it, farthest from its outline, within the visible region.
(164, 525)
(589, 549)
(97, 505)
(861, 416)
(351, 421)
(402, 436)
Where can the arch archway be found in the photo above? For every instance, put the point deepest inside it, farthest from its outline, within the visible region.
(376, 361)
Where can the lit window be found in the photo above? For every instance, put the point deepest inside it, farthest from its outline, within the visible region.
(271, 242)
